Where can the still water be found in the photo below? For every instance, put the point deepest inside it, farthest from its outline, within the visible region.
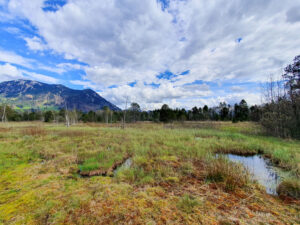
(127, 164)
(260, 169)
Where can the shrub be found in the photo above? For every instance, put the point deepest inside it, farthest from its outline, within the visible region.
(289, 188)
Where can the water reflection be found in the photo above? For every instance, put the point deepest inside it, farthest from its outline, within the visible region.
(260, 169)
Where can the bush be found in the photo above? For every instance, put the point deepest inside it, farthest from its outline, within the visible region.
(289, 188)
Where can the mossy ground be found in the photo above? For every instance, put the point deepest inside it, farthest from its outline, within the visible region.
(171, 180)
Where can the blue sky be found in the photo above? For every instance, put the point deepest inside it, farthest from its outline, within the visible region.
(181, 52)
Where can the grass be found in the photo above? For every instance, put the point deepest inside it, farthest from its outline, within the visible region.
(34, 131)
(231, 174)
(174, 177)
(187, 203)
(289, 188)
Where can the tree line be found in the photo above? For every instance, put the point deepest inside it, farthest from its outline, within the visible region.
(223, 112)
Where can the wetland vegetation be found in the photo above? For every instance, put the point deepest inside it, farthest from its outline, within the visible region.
(171, 174)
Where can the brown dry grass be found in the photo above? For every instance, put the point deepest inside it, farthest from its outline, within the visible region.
(72, 133)
(34, 131)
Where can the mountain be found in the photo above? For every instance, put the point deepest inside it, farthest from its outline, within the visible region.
(28, 94)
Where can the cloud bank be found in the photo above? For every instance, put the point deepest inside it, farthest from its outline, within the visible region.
(132, 41)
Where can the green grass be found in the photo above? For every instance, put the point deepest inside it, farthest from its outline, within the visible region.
(187, 203)
(172, 169)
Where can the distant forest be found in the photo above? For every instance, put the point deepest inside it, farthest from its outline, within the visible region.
(223, 112)
(280, 115)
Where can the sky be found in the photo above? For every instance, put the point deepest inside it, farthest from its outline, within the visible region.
(183, 53)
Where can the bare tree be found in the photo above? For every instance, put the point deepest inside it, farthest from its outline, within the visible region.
(74, 117)
(67, 117)
(106, 113)
(124, 114)
(111, 116)
(4, 118)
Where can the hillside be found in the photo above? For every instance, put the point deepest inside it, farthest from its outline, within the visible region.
(27, 94)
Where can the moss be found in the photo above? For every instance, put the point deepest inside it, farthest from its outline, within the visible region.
(172, 179)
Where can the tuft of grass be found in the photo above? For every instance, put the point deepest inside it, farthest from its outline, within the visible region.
(233, 175)
(187, 203)
(187, 168)
(289, 188)
(89, 165)
(136, 175)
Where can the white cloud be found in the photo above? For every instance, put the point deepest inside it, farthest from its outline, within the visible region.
(119, 40)
(70, 66)
(85, 84)
(250, 97)
(11, 57)
(35, 44)
(237, 89)
(54, 69)
(133, 40)
(149, 97)
(9, 72)
(41, 77)
(12, 30)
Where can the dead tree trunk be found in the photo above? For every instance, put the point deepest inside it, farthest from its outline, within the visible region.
(106, 116)
(124, 114)
(74, 117)
(67, 116)
(4, 114)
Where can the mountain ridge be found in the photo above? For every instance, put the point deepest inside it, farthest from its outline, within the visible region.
(30, 94)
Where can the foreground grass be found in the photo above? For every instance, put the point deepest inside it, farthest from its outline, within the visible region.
(174, 177)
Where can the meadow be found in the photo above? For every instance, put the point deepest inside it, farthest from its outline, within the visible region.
(53, 174)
